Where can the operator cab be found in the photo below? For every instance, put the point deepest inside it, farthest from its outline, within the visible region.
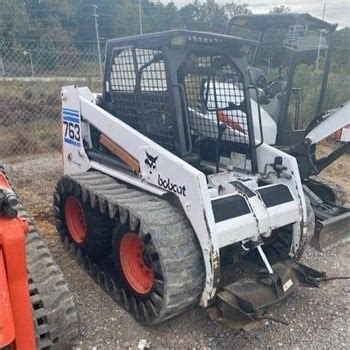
(286, 43)
(187, 91)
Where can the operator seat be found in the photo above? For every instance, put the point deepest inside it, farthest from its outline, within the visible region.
(272, 93)
(257, 77)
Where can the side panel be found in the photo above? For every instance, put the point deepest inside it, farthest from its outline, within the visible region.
(12, 239)
(290, 177)
(74, 158)
(167, 171)
(7, 326)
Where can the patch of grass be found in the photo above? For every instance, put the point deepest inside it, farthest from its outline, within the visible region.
(38, 137)
(30, 114)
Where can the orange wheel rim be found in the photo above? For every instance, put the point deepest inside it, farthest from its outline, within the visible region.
(136, 264)
(75, 219)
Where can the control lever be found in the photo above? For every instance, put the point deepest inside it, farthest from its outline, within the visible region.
(265, 260)
(278, 166)
(252, 244)
(278, 169)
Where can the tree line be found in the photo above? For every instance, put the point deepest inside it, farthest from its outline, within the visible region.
(55, 23)
(67, 20)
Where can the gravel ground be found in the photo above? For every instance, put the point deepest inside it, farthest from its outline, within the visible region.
(319, 318)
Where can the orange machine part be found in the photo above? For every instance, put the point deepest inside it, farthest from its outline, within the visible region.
(3, 181)
(75, 218)
(135, 264)
(125, 156)
(224, 118)
(16, 322)
(7, 325)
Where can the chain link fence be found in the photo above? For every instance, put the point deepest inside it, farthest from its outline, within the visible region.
(32, 74)
(31, 77)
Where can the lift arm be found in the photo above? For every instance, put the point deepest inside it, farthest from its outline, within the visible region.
(329, 124)
(319, 129)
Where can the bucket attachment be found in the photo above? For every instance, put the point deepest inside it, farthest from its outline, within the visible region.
(243, 303)
(331, 232)
(332, 221)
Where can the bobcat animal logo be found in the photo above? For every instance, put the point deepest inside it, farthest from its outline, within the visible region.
(151, 162)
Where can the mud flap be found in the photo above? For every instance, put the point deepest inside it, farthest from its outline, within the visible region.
(331, 232)
(243, 303)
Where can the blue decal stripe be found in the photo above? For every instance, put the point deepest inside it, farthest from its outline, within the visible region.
(70, 110)
(71, 114)
(71, 142)
(71, 119)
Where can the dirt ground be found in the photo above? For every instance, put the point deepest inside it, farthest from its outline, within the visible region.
(319, 318)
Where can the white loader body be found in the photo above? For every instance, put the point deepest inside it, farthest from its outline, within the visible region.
(231, 208)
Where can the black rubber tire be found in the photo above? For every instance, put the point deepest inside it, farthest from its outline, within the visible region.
(55, 315)
(99, 227)
(175, 260)
(168, 234)
(280, 246)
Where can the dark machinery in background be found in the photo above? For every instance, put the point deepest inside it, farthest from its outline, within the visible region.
(296, 39)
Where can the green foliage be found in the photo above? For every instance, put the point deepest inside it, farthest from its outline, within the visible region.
(341, 54)
(280, 9)
(66, 20)
(233, 9)
(13, 19)
(60, 25)
(308, 79)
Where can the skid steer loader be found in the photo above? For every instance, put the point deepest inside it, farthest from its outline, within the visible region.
(37, 309)
(293, 40)
(169, 198)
